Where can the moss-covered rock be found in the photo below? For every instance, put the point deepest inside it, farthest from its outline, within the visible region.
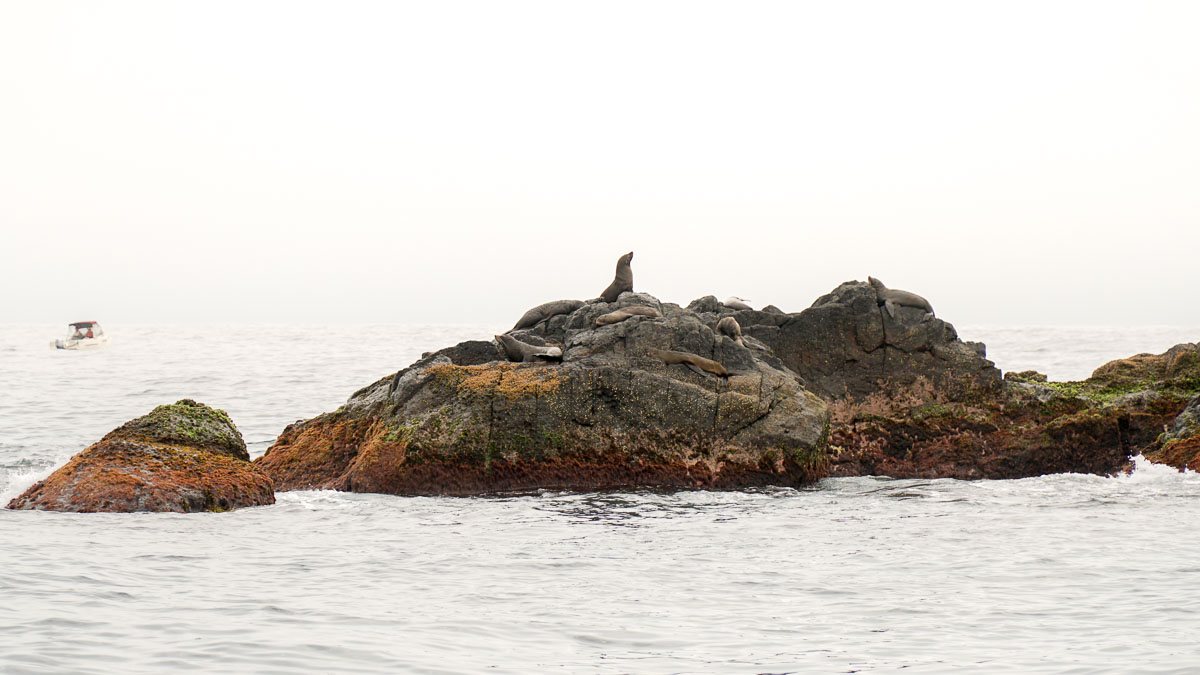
(1176, 369)
(187, 423)
(182, 457)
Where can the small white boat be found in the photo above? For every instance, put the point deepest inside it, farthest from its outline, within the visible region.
(83, 335)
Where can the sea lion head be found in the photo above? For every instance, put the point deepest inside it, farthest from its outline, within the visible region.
(875, 283)
(626, 259)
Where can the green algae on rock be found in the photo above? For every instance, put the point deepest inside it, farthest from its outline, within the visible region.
(1032, 427)
(184, 457)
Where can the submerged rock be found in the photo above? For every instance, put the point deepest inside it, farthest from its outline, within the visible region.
(461, 421)
(182, 457)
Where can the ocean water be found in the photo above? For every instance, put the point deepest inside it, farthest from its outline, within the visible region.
(1062, 573)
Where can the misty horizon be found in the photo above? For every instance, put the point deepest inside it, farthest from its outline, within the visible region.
(386, 163)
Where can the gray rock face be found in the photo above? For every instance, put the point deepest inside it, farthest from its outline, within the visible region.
(845, 345)
(460, 421)
(1186, 423)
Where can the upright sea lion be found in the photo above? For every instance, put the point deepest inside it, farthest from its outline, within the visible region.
(889, 298)
(729, 326)
(516, 350)
(622, 281)
(546, 310)
(734, 302)
(622, 314)
(697, 363)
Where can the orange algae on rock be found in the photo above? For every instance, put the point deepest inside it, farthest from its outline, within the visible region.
(185, 457)
(510, 380)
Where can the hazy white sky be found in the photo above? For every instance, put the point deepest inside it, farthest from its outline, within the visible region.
(1014, 162)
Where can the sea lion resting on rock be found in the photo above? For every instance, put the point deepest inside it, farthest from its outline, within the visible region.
(734, 302)
(697, 363)
(515, 350)
(622, 314)
(889, 298)
(622, 281)
(730, 327)
(546, 310)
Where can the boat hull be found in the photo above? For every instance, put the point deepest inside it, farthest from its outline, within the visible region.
(85, 343)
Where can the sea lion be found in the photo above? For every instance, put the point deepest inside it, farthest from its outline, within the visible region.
(622, 281)
(730, 327)
(734, 302)
(697, 363)
(622, 314)
(889, 298)
(515, 350)
(546, 310)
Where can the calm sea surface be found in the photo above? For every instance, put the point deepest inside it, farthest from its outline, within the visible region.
(1057, 574)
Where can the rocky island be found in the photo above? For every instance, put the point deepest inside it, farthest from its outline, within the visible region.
(866, 381)
(628, 391)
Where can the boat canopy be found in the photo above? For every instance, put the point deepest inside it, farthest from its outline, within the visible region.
(84, 324)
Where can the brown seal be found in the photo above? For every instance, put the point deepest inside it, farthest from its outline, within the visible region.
(622, 281)
(546, 310)
(515, 350)
(622, 314)
(889, 298)
(730, 327)
(697, 363)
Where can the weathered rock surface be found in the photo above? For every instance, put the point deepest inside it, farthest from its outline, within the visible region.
(1032, 427)
(183, 457)
(1181, 442)
(460, 421)
(1178, 367)
(847, 346)
(910, 399)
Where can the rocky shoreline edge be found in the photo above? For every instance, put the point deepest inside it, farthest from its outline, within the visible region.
(635, 392)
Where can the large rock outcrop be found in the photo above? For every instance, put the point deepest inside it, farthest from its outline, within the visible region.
(910, 399)
(183, 457)
(463, 421)
(846, 346)
(1031, 427)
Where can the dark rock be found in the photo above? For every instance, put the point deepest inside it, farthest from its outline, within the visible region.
(1187, 423)
(846, 345)
(183, 457)
(708, 303)
(1181, 442)
(609, 415)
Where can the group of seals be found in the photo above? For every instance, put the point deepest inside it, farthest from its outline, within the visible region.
(889, 298)
(622, 280)
(515, 350)
(622, 314)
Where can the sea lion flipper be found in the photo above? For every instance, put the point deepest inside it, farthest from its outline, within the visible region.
(890, 307)
(696, 368)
